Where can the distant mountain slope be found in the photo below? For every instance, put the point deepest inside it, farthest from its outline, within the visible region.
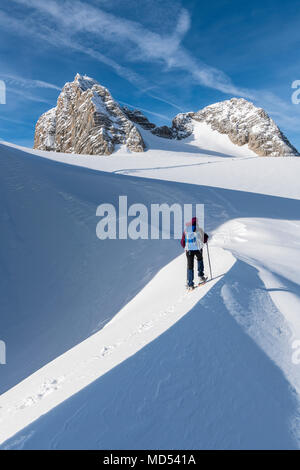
(87, 120)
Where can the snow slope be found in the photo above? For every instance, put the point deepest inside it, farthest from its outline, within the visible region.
(194, 161)
(209, 370)
(202, 384)
(148, 315)
(52, 261)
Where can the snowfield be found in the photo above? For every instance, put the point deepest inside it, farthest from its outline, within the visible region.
(105, 349)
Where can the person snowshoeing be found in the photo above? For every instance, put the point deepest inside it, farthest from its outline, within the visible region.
(193, 239)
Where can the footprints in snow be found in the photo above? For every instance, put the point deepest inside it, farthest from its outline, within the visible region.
(108, 350)
(49, 386)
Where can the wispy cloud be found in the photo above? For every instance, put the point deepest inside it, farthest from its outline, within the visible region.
(26, 82)
(64, 24)
(14, 121)
(25, 95)
(19, 86)
(163, 100)
(142, 44)
(60, 36)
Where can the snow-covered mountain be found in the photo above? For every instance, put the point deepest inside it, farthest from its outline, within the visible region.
(243, 123)
(87, 120)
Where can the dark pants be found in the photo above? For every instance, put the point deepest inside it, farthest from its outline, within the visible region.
(190, 265)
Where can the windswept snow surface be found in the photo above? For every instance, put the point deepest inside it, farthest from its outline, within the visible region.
(105, 348)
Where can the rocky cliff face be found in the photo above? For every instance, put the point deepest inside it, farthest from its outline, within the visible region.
(243, 122)
(44, 138)
(136, 116)
(87, 120)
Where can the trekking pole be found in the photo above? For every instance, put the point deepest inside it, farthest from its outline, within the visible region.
(209, 260)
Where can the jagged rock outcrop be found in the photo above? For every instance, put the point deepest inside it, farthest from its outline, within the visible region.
(139, 118)
(86, 120)
(183, 125)
(135, 115)
(243, 122)
(44, 139)
(165, 132)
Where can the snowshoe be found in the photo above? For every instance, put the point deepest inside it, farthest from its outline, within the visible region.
(190, 288)
(202, 280)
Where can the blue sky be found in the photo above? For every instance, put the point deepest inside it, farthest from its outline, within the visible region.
(161, 56)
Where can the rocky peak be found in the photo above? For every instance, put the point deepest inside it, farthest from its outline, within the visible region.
(84, 82)
(86, 120)
(243, 122)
